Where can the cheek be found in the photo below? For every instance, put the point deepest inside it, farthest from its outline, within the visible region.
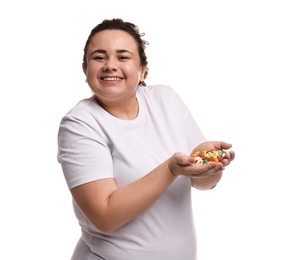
(134, 71)
(91, 71)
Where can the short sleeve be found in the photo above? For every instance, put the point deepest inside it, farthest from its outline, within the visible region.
(83, 154)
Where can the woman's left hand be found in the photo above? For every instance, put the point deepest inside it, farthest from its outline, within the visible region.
(217, 145)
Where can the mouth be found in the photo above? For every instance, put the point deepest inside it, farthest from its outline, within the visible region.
(111, 78)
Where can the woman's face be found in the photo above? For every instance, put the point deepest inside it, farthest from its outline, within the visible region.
(113, 68)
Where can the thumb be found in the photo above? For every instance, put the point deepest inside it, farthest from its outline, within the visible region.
(223, 145)
(183, 159)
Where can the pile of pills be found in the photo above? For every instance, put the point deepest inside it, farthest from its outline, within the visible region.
(203, 157)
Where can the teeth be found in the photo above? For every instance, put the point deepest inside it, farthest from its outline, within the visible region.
(111, 78)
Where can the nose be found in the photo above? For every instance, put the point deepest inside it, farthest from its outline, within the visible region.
(110, 65)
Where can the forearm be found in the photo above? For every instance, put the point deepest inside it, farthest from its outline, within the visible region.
(128, 202)
(121, 205)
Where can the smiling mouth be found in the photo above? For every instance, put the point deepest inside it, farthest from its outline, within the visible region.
(111, 78)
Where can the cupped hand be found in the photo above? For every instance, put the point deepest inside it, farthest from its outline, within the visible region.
(182, 164)
(217, 145)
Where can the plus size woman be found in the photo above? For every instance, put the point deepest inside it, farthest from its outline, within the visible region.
(125, 152)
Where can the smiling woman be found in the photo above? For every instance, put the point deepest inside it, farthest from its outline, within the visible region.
(125, 153)
(113, 70)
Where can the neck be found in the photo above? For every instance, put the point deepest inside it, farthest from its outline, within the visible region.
(125, 110)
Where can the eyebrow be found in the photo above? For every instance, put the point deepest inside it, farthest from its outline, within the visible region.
(105, 52)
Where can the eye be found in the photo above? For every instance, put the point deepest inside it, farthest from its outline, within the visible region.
(123, 57)
(99, 58)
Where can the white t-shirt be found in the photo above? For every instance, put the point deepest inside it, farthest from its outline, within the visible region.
(94, 145)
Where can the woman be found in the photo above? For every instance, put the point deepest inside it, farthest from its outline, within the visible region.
(125, 153)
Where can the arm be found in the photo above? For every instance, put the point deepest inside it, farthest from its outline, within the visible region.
(82, 151)
(109, 207)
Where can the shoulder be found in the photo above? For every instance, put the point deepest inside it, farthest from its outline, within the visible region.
(83, 117)
(163, 94)
(83, 107)
(86, 111)
(156, 89)
(159, 92)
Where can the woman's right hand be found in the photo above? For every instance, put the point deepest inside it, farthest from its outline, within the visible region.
(182, 164)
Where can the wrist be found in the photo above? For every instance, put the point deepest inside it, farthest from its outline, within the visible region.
(171, 171)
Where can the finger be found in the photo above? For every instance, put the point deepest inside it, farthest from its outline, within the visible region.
(232, 155)
(223, 145)
(183, 159)
(225, 162)
(219, 167)
(229, 156)
(203, 170)
(212, 172)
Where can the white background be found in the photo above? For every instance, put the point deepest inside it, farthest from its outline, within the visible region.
(226, 59)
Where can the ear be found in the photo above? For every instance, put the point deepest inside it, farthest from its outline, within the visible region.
(84, 67)
(144, 72)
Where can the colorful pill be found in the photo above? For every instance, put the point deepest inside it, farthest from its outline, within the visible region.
(203, 157)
